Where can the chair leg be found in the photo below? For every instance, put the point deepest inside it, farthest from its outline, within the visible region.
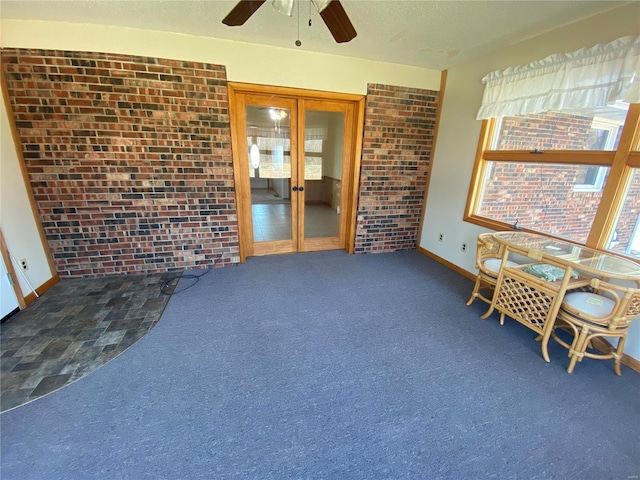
(572, 363)
(618, 356)
(474, 293)
(616, 367)
(576, 352)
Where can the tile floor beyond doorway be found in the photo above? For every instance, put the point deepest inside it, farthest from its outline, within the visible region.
(273, 221)
(74, 328)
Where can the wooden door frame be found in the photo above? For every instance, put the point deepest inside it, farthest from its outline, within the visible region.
(243, 194)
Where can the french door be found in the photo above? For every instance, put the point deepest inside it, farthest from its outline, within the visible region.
(294, 161)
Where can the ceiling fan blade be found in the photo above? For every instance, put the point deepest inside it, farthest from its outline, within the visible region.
(338, 22)
(241, 12)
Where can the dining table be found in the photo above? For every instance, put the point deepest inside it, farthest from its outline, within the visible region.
(536, 271)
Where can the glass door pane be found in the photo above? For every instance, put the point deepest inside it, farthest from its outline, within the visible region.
(269, 167)
(323, 155)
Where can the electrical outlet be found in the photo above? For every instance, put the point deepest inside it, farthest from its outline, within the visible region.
(464, 247)
(440, 237)
(23, 264)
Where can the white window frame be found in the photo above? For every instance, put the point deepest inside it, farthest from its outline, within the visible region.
(612, 128)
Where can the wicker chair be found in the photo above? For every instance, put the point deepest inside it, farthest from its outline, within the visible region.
(488, 259)
(604, 312)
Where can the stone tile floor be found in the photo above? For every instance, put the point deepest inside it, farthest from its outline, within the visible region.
(74, 328)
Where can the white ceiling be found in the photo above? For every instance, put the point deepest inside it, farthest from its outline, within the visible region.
(422, 33)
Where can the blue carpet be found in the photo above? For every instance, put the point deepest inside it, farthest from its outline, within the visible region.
(331, 366)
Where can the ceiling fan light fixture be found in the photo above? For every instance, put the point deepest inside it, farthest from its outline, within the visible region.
(277, 114)
(254, 156)
(320, 4)
(283, 6)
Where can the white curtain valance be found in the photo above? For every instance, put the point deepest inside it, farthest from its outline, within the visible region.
(587, 78)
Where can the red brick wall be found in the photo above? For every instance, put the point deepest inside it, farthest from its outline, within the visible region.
(545, 132)
(129, 159)
(396, 153)
(540, 197)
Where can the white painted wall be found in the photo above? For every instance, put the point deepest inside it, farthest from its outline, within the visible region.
(459, 132)
(8, 300)
(17, 220)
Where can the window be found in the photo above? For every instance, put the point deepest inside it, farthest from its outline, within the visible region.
(559, 147)
(560, 173)
(603, 135)
(589, 179)
(538, 196)
(274, 155)
(594, 129)
(625, 235)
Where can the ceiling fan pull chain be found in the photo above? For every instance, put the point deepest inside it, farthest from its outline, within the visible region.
(298, 42)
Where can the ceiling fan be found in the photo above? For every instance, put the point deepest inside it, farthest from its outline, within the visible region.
(331, 11)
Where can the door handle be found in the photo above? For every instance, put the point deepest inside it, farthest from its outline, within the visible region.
(295, 189)
(301, 189)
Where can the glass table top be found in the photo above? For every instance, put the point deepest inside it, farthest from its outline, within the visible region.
(580, 257)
